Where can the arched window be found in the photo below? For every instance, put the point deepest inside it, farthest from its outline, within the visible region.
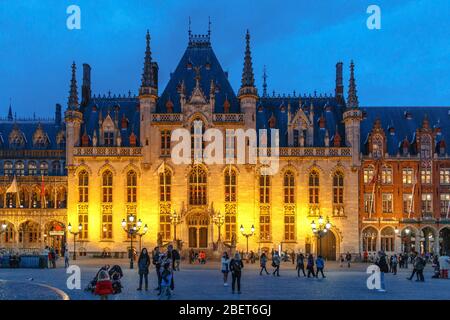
(230, 185)
(9, 234)
(83, 186)
(56, 167)
(20, 168)
(32, 168)
(165, 185)
(44, 168)
(8, 168)
(131, 186)
(264, 188)
(197, 131)
(29, 233)
(107, 186)
(377, 146)
(369, 236)
(314, 187)
(289, 187)
(197, 186)
(387, 239)
(338, 188)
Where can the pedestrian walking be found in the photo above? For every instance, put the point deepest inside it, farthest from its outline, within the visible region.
(263, 263)
(414, 272)
(276, 261)
(156, 260)
(225, 265)
(66, 258)
(382, 264)
(300, 264)
(166, 281)
(103, 287)
(236, 266)
(419, 265)
(293, 257)
(320, 264)
(444, 265)
(341, 259)
(143, 265)
(348, 258)
(310, 266)
(176, 260)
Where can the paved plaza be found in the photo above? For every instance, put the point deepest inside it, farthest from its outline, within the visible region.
(200, 282)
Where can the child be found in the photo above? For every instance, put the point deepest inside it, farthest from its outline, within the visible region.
(166, 279)
(103, 288)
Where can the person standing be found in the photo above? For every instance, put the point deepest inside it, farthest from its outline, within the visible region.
(414, 272)
(310, 265)
(176, 259)
(341, 259)
(348, 258)
(143, 264)
(382, 264)
(156, 260)
(444, 265)
(320, 264)
(276, 264)
(300, 264)
(263, 263)
(394, 262)
(419, 265)
(236, 266)
(293, 257)
(166, 281)
(225, 264)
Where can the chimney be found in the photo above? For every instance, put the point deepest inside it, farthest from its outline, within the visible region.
(339, 91)
(58, 114)
(86, 86)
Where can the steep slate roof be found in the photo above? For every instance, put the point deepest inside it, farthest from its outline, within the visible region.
(278, 106)
(28, 128)
(403, 126)
(128, 107)
(199, 54)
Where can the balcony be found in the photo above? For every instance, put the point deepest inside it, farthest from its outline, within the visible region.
(167, 117)
(108, 151)
(310, 152)
(228, 118)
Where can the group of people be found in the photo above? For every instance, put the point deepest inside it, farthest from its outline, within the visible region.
(197, 256)
(52, 256)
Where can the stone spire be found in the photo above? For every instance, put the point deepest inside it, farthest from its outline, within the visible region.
(73, 93)
(264, 82)
(248, 79)
(147, 74)
(10, 114)
(352, 99)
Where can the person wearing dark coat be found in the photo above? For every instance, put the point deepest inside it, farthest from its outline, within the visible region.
(310, 266)
(236, 266)
(143, 265)
(383, 265)
(156, 260)
(300, 264)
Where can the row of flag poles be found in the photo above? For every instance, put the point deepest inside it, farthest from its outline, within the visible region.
(15, 190)
(375, 181)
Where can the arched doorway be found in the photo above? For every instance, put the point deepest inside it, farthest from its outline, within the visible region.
(327, 246)
(427, 239)
(55, 236)
(444, 241)
(408, 237)
(29, 235)
(198, 224)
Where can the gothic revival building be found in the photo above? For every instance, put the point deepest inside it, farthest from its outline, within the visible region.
(118, 159)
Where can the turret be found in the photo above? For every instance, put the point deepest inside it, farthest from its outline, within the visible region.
(352, 119)
(73, 118)
(148, 94)
(248, 94)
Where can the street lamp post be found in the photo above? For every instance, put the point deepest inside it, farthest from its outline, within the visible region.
(141, 234)
(320, 230)
(219, 220)
(132, 229)
(75, 233)
(247, 235)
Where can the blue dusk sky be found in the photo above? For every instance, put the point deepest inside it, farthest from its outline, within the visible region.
(405, 63)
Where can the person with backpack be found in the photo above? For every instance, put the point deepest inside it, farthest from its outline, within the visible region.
(300, 264)
(143, 264)
(263, 263)
(310, 266)
(225, 266)
(276, 261)
(382, 264)
(236, 266)
(320, 264)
